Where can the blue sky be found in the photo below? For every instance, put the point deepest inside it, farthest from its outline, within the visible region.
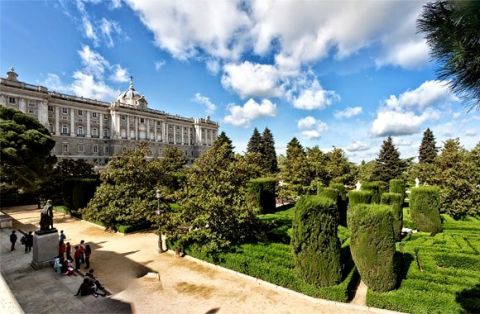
(332, 73)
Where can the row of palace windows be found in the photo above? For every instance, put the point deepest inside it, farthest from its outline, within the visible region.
(80, 131)
(81, 148)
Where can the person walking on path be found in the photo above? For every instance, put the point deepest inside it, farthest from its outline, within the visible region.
(28, 242)
(88, 252)
(68, 251)
(77, 256)
(62, 236)
(13, 240)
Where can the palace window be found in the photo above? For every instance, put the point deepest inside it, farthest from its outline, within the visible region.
(95, 148)
(80, 112)
(142, 120)
(50, 108)
(50, 128)
(105, 133)
(81, 148)
(65, 148)
(32, 105)
(11, 100)
(94, 114)
(31, 111)
(80, 130)
(64, 117)
(64, 129)
(123, 117)
(106, 149)
(65, 110)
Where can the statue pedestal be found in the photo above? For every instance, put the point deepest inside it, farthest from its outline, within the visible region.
(45, 248)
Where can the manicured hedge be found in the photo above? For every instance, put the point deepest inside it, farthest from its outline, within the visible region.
(261, 192)
(341, 188)
(396, 201)
(132, 228)
(372, 245)
(315, 243)
(359, 197)
(376, 187)
(77, 192)
(336, 195)
(397, 186)
(424, 208)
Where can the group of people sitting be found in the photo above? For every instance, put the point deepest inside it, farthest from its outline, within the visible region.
(64, 264)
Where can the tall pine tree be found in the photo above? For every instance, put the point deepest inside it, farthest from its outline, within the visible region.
(388, 165)
(255, 143)
(294, 173)
(427, 151)
(268, 150)
(224, 139)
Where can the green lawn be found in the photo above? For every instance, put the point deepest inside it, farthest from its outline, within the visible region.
(272, 260)
(440, 274)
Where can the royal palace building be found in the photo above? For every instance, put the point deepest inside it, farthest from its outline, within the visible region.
(95, 130)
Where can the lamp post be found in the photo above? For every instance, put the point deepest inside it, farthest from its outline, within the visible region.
(157, 195)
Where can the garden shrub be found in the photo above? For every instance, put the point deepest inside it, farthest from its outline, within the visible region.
(397, 186)
(261, 193)
(372, 245)
(396, 201)
(315, 243)
(320, 187)
(359, 197)
(376, 187)
(336, 195)
(424, 208)
(83, 191)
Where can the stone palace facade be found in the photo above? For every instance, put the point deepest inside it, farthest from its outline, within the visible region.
(94, 130)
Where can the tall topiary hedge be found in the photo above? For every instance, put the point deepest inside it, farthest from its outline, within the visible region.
(424, 208)
(315, 243)
(397, 186)
(261, 193)
(395, 200)
(338, 193)
(376, 187)
(359, 197)
(372, 244)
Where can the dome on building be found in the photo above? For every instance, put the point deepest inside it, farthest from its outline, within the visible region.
(131, 98)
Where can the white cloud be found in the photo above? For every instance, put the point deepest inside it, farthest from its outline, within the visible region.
(53, 82)
(409, 55)
(93, 62)
(159, 64)
(184, 28)
(314, 97)
(252, 79)
(109, 28)
(426, 95)
(210, 107)
(243, 115)
(471, 132)
(120, 74)
(306, 123)
(348, 112)
(116, 4)
(85, 85)
(400, 123)
(311, 128)
(357, 146)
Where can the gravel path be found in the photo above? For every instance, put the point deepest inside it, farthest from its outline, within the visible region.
(182, 285)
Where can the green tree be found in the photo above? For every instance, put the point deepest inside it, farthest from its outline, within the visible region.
(213, 205)
(224, 139)
(255, 143)
(25, 146)
(317, 165)
(427, 151)
(338, 167)
(451, 29)
(365, 171)
(388, 165)
(294, 171)
(268, 150)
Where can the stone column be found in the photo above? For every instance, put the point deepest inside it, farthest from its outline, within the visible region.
(3, 100)
(100, 116)
(165, 134)
(174, 134)
(137, 136)
(128, 127)
(42, 111)
(22, 106)
(189, 137)
(182, 129)
(57, 120)
(72, 122)
(155, 124)
(88, 124)
(148, 129)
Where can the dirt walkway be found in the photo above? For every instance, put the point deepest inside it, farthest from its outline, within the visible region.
(184, 286)
(360, 294)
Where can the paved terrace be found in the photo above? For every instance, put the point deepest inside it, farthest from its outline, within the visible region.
(122, 263)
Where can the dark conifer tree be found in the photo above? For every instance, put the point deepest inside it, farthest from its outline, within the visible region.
(255, 143)
(268, 150)
(224, 139)
(428, 150)
(388, 165)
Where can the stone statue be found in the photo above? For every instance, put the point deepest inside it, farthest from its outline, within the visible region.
(417, 182)
(358, 186)
(46, 217)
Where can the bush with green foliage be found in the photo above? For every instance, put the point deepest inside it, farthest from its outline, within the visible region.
(261, 192)
(359, 197)
(315, 243)
(376, 187)
(397, 186)
(424, 208)
(396, 201)
(372, 244)
(336, 195)
(77, 192)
